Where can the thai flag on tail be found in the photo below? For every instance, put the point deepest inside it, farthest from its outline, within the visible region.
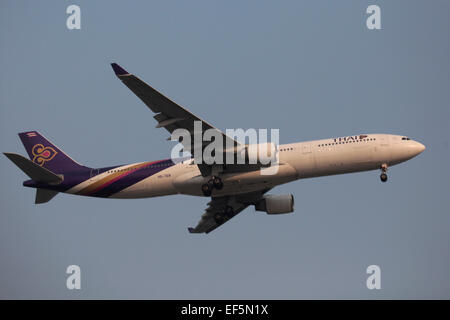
(45, 154)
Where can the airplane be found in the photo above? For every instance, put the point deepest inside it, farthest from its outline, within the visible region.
(232, 187)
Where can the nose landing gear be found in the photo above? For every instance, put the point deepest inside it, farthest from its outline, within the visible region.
(213, 183)
(383, 175)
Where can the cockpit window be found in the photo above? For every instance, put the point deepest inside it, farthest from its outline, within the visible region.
(406, 138)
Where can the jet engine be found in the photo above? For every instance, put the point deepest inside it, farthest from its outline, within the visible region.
(276, 204)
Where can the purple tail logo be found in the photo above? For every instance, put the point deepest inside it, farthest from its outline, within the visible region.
(42, 154)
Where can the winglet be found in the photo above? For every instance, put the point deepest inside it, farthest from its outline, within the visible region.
(118, 70)
(191, 230)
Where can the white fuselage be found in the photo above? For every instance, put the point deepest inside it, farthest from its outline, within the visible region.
(296, 161)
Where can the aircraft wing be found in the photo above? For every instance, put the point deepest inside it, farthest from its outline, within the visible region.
(217, 214)
(169, 115)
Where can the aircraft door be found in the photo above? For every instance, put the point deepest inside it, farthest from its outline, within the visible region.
(305, 164)
(94, 172)
(383, 152)
(306, 148)
(384, 141)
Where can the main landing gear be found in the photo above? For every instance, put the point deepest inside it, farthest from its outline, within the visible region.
(213, 183)
(383, 175)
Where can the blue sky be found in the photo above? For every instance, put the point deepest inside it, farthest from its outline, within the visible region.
(311, 69)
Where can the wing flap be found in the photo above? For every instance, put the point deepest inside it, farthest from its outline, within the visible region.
(169, 115)
(216, 214)
(160, 104)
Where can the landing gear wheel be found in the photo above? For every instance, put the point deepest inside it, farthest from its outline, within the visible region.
(207, 189)
(383, 175)
(217, 183)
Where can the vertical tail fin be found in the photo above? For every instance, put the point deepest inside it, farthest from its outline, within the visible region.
(46, 154)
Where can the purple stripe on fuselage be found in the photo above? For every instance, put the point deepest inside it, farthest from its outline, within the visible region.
(71, 179)
(74, 178)
(132, 178)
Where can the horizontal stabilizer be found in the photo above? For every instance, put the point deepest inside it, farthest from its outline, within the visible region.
(33, 170)
(44, 195)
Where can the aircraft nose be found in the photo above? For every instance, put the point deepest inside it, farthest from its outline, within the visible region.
(418, 147)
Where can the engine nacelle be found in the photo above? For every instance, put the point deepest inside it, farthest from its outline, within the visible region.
(276, 204)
